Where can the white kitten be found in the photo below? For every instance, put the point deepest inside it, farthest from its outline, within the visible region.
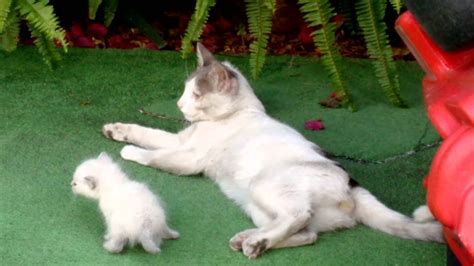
(281, 180)
(132, 212)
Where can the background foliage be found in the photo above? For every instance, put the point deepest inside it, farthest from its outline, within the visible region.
(323, 24)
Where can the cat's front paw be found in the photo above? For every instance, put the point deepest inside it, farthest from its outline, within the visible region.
(254, 247)
(116, 131)
(131, 153)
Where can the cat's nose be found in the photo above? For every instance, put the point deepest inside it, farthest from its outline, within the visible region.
(180, 104)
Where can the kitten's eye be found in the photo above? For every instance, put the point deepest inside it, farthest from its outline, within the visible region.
(196, 95)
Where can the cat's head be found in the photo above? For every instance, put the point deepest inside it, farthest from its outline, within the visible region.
(90, 174)
(215, 90)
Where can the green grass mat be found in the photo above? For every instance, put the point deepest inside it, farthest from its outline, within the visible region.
(50, 122)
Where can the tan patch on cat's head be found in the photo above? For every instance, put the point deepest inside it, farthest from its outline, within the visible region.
(210, 90)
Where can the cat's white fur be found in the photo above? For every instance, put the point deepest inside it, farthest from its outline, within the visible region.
(133, 214)
(282, 181)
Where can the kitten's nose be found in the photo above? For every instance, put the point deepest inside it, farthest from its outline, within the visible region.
(180, 104)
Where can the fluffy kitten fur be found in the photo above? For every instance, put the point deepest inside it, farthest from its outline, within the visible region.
(290, 190)
(132, 212)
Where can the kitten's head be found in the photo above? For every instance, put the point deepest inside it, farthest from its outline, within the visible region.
(90, 174)
(215, 90)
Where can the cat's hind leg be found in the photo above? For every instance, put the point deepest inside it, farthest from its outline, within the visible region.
(292, 212)
(235, 243)
(259, 218)
(305, 237)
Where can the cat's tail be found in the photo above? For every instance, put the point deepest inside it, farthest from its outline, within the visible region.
(375, 214)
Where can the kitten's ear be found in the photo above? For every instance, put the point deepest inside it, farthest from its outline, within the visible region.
(205, 57)
(91, 182)
(103, 156)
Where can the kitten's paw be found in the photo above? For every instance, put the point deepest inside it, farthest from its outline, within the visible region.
(153, 249)
(170, 234)
(113, 246)
(235, 243)
(254, 247)
(116, 131)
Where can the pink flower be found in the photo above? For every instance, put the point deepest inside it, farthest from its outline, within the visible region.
(314, 125)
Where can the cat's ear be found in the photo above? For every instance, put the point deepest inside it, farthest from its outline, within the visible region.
(226, 78)
(104, 157)
(91, 182)
(205, 57)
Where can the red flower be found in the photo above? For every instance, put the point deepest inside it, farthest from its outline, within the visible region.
(76, 30)
(314, 125)
(152, 46)
(208, 28)
(115, 41)
(85, 42)
(224, 24)
(335, 95)
(305, 34)
(97, 30)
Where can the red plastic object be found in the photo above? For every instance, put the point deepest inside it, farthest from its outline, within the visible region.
(448, 89)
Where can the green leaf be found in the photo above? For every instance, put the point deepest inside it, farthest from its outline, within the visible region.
(397, 5)
(46, 47)
(5, 7)
(196, 25)
(44, 27)
(41, 16)
(9, 37)
(370, 14)
(259, 14)
(110, 7)
(145, 28)
(93, 6)
(318, 13)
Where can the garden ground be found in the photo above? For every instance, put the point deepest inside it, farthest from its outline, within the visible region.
(51, 121)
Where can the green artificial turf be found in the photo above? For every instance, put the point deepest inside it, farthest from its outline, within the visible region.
(51, 121)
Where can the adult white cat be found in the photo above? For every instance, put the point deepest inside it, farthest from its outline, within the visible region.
(282, 181)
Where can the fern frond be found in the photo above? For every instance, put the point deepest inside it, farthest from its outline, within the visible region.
(110, 7)
(259, 14)
(318, 13)
(93, 6)
(370, 14)
(5, 7)
(347, 9)
(397, 5)
(46, 47)
(196, 25)
(41, 17)
(139, 21)
(9, 36)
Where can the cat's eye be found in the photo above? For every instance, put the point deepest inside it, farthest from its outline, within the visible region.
(196, 95)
